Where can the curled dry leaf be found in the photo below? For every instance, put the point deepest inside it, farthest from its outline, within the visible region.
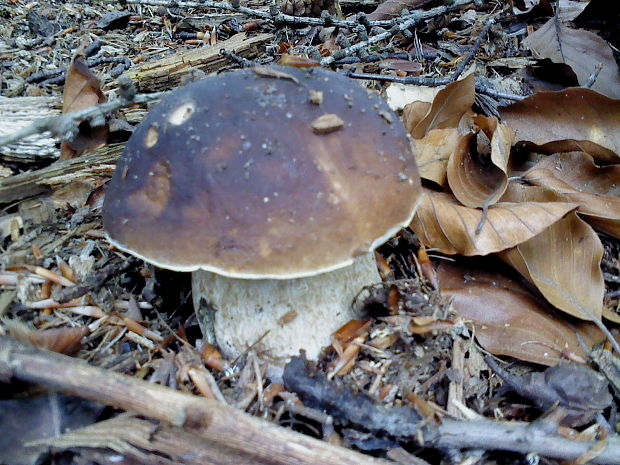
(582, 50)
(569, 120)
(443, 224)
(576, 178)
(508, 320)
(479, 180)
(563, 261)
(433, 151)
(82, 90)
(449, 106)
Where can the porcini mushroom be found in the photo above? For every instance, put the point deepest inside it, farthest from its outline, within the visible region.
(274, 185)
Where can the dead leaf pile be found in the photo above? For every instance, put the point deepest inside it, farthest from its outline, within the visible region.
(531, 188)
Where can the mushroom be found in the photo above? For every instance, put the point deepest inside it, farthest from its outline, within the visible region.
(274, 185)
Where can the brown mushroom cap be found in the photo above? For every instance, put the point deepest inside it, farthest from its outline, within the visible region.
(231, 175)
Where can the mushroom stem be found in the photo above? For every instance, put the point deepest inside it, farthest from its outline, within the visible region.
(278, 317)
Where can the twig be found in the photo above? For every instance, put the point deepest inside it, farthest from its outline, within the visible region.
(593, 77)
(243, 62)
(442, 81)
(63, 124)
(278, 17)
(449, 434)
(432, 82)
(58, 76)
(405, 23)
(209, 419)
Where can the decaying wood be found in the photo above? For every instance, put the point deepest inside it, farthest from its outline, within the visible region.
(166, 73)
(17, 112)
(92, 167)
(211, 420)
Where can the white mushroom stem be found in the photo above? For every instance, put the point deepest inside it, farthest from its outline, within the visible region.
(276, 317)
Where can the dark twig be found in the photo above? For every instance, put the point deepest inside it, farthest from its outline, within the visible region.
(57, 76)
(342, 403)
(433, 82)
(243, 62)
(538, 437)
(405, 23)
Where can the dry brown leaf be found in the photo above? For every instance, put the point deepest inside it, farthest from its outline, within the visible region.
(508, 320)
(412, 68)
(563, 261)
(582, 50)
(414, 113)
(449, 106)
(433, 151)
(576, 178)
(569, 120)
(479, 180)
(392, 8)
(442, 223)
(82, 90)
(66, 341)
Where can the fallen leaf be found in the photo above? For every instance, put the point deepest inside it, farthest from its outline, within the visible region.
(569, 120)
(66, 341)
(479, 180)
(414, 113)
(396, 64)
(442, 223)
(399, 95)
(433, 151)
(509, 320)
(448, 107)
(393, 8)
(576, 179)
(562, 261)
(582, 50)
(82, 90)
(544, 75)
(568, 10)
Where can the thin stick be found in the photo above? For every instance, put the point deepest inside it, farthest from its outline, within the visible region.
(208, 418)
(405, 23)
(279, 17)
(61, 123)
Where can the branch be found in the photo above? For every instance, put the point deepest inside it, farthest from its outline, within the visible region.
(207, 418)
(449, 434)
(401, 24)
(62, 125)
(278, 17)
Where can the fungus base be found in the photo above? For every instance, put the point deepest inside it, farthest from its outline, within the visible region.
(279, 317)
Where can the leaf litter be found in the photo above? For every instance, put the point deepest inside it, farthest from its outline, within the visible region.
(542, 220)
